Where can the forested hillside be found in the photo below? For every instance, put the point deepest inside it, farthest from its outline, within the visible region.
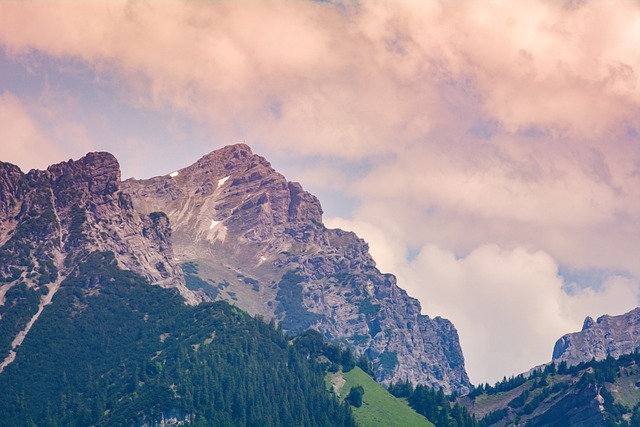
(113, 350)
(595, 393)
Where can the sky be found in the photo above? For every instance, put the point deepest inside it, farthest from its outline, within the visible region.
(488, 151)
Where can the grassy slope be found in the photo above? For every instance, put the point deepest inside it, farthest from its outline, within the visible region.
(379, 407)
(625, 390)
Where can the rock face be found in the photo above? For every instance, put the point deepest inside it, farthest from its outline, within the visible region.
(77, 207)
(50, 220)
(608, 336)
(244, 233)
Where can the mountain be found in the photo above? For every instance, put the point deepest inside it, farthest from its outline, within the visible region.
(590, 394)
(593, 380)
(51, 220)
(608, 336)
(243, 233)
(112, 350)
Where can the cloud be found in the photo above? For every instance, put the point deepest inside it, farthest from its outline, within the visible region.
(37, 133)
(352, 80)
(323, 69)
(581, 205)
(22, 140)
(509, 305)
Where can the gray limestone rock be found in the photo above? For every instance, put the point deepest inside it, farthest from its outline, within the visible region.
(607, 336)
(49, 219)
(260, 242)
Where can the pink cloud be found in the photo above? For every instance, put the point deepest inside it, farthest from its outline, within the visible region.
(22, 141)
(329, 69)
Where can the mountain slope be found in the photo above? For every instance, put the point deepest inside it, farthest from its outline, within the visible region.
(251, 237)
(50, 220)
(379, 407)
(111, 350)
(596, 393)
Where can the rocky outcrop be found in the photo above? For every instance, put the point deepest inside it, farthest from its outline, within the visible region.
(607, 336)
(250, 236)
(76, 207)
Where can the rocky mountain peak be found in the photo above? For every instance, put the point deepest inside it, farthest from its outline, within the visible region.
(80, 208)
(12, 186)
(226, 190)
(245, 234)
(607, 336)
(227, 227)
(100, 171)
(588, 323)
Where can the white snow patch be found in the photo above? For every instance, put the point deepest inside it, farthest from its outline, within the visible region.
(217, 232)
(221, 181)
(213, 224)
(262, 259)
(174, 174)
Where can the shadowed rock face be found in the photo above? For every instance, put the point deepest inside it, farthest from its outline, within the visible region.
(609, 335)
(250, 236)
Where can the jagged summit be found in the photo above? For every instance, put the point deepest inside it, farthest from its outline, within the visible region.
(80, 206)
(246, 234)
(607, 336)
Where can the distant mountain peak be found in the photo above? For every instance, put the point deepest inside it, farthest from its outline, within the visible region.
(588, 323)
(607, 336)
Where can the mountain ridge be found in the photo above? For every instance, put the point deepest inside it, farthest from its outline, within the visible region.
(607, 336)
(258, 240)
(52, 219)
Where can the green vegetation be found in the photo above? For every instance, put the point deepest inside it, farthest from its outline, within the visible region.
(297, 318)
(434, 405)
(311, 345)
(355, 396)
(27, 264)
(389, 360)
(367, 308)
(379, 407)
(76, 229)
(113, 350)
(562, 392)
(194, 282)
(28, 249)
(255, 285)
(158, 216)
(20, 306)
